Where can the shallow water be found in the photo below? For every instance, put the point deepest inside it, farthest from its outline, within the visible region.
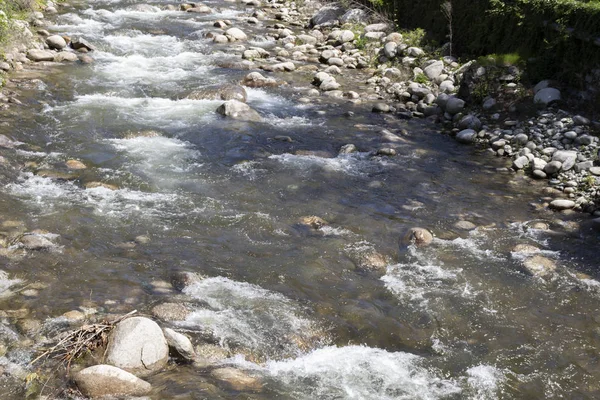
(459, 319)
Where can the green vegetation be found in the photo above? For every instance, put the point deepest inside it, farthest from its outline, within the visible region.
(421, 78)
(11, 10)
(414, 38)
(500, 60)
(555, 37)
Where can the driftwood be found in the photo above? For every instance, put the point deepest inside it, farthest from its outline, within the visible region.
(79, 341)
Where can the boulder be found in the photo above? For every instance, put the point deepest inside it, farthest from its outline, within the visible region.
(80, 43)
(138, 345)
(521, 162)
(235, 379)
(40, 55)
(562, 204)
(171, 311)
(56, 42)
(419, 237)
(257, 80)
(546, 96)
(469, 122)
(327, 15)
(236, 34)
(389, 50)
(238, 110)
(466, 136)
(433, 70)
(353, 15)
(454, 105)
(225, 92)
(379, 27)
(179, 343)
(66, 56)
(345, 36)
(539, 266)
(34, 241)
(105, 380)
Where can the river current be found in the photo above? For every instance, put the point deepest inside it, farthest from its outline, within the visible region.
(460, 319)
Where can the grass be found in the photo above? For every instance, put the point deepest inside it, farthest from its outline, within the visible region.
(500, 60)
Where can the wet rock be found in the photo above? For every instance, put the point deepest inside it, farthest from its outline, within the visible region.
(95, 184)
(465, 225)
(313, 222)
(386, 151)
(371, 261)
(562, 204)
(75, 164)
(521, 162)
(105, 380)
(280, 67)
(85, 59)
(171, 312)
(40, 55)
(381, 108)
(200, 9)
(138, 345)
(34, 241)
(235, 379)
(525, 249)
(419, 237)
(179, 343)
(257, 80)
(348, 149)
(225, 92)
(66, 56)
(29, 326)
(539, 266)
(255, 53)
(81, 44)
(236, 34)
(56, 42)
(239, 111)
(181, 279)
(74, 316)
(466, 136)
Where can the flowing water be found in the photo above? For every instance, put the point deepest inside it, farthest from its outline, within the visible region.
(459, 319)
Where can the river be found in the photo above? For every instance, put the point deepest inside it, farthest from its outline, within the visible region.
(460, 319)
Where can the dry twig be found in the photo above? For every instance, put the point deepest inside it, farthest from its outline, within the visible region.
(77, 342)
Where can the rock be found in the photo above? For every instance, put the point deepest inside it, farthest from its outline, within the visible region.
(66, 56)
(348, 149)
(371, 261)
(447, 87)
(525, 249)
(256, 80)
(381, 108)
(180, 343)
(313, 222)
(419, 237)
(562, 204)
(414, 52)
(546, 96)
(579, 120)
(85, 59)
(56, 42)
(171, 312)
(220, 39)
(389, 50)
(80, 43)
(379, 27)
(95, 184)
(386, 151)
(307, 39)
(75, 164)
(327, 14)
(466, 136)
(225, 92)
(236, 34)
(489, 103)
(539, 266)
(552, 167)
(280, 67)
(238, 110)
(595, 171)
(40, 55)
(469, 122)
(34, 241)
(433, 70)
(138, 345)
(237, 380)
(105, 380)
(465, 225)
(353, 15)
(454, 105)
(521, 162)
(345, 36)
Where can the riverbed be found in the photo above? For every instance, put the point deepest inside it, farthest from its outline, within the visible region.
(185, 189)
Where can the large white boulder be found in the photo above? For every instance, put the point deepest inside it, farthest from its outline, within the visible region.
(105, 380)
(138, 345)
